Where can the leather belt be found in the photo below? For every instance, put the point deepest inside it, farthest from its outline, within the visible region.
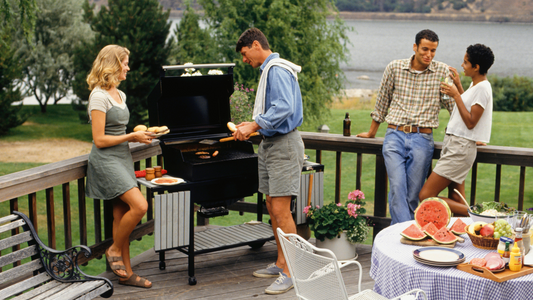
(411, 129)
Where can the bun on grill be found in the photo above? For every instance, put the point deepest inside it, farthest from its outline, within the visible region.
(140, 128)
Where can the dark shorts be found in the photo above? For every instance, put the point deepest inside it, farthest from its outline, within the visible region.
(280, 164)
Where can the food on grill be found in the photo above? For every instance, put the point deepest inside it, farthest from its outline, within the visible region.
(204, 156)
(444, 236)
(166, 180)
(459, 227)
(202, 153)
(140, 128)
(215, 153)
(434, 210)
(413, 233)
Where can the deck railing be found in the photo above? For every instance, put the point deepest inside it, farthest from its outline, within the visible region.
(15, 186)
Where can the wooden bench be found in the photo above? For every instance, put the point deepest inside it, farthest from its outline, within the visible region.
(48, 274)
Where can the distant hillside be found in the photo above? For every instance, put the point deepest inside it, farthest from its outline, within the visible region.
(452, 10)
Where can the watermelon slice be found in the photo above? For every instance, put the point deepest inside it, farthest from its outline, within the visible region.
(458, 227)
(444, 236)
(413, 233)
(433, 210)
(430, 229)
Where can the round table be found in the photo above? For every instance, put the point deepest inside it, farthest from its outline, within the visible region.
(395, 271)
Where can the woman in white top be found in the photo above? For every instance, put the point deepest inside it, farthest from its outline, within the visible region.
(110, 174)
(470, 121)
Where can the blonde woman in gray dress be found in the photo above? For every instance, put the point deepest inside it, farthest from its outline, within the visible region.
(110, 173)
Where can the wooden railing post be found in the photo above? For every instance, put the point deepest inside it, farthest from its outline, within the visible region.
(380, 194)
(521, 188)
(498, 183)
(473, 184)
(67, 220)
(359, 171)
(82, 211)
(338, 171)
(51, 218)
(32, 207)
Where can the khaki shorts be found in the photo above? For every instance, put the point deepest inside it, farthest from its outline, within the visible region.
(456, 158)
(280, 164)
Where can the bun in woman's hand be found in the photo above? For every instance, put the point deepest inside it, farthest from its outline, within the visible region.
(139, 128)
(153, 129)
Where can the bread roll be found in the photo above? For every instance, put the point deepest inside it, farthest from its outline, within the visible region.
(161, 129)
(232, 127)
(152, 129)
(139, 128)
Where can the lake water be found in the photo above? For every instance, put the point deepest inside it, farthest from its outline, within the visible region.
(376, 43)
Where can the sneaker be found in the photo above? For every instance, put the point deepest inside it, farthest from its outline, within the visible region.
(281, 285)
(271, 271)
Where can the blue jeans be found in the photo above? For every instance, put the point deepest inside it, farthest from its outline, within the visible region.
(407, 159)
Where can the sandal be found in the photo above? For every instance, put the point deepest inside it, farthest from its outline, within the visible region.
(115, 267)
(132, 281)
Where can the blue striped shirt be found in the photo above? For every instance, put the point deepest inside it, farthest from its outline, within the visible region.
(283, 101)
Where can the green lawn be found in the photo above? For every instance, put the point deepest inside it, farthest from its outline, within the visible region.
(509, 129)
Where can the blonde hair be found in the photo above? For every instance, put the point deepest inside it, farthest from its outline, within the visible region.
(107, 67)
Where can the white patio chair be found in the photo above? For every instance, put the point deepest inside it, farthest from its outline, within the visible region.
(316, 273)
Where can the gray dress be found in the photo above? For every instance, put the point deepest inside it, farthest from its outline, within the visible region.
(110, 170)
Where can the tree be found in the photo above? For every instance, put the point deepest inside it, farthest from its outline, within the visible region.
(141, 26)
(9, 72)
(195, 44)
(299, 31)
(47, 59)
(9, 66)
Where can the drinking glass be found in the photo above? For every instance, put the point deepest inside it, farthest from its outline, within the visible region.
(522, 220)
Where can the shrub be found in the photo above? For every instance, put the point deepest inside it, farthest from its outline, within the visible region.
(241, 104)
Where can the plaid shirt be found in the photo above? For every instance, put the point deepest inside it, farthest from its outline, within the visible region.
(409, 98)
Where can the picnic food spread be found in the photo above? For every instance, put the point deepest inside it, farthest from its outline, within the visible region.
(432, 218)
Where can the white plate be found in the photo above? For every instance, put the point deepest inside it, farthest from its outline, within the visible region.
(176, 181)
(158, 134)
(437, 264)
(439, 254)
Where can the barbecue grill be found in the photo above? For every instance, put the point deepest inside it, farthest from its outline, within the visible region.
(196, 109)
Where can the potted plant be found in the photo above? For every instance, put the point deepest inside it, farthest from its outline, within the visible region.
(337, 225)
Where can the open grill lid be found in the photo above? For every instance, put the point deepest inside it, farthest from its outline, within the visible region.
(193, 107)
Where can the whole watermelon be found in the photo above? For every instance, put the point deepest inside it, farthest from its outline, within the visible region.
(433, 210)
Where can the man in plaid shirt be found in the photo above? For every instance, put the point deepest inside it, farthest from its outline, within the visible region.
(409, 100)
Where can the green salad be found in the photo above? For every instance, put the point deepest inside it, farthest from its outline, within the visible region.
(492, 207)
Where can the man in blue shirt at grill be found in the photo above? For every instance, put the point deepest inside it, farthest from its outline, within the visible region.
(277, 112)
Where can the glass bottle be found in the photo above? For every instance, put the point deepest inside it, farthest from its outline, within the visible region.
(150, 174)
(346, 125)
(520, 243)
(507, 253)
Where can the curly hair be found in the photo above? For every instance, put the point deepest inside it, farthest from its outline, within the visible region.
(426, 34)
(480, 55)
(249, 36)
(107, 67)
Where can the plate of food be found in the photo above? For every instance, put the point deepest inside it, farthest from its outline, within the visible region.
(167, 181)
(487, 211)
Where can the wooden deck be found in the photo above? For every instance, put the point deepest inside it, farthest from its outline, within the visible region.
(223, 274)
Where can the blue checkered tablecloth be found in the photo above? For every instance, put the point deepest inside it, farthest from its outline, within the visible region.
(395, 272)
